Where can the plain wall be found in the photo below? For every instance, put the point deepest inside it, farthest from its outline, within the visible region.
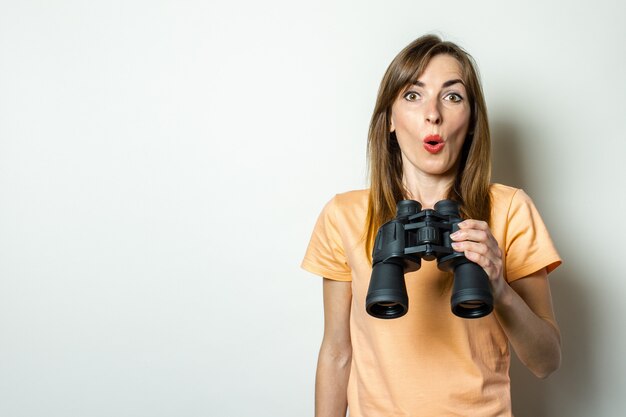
(162, 164)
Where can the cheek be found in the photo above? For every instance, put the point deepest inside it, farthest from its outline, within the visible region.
(459, 127)
(403, 118)
(406, 123)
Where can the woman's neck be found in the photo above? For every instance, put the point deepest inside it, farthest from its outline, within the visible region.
(427, 189)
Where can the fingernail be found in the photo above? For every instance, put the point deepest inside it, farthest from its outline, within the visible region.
(456, 245)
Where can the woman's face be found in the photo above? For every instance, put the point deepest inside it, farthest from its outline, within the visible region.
(431, 118)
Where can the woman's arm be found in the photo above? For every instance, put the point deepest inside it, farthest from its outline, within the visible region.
(524, 311)
(523, 308)
(333, 365)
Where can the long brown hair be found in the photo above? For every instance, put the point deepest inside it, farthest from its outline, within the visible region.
(471, 186)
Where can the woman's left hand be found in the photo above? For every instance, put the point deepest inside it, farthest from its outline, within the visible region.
(523, 308)
(475, 240)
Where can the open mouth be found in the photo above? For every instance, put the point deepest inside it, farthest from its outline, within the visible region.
(433, 143)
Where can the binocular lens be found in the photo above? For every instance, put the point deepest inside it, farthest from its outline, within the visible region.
(471, 304)
(387, 310)
(471, 310)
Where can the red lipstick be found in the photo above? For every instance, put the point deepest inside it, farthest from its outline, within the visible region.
(433, 144)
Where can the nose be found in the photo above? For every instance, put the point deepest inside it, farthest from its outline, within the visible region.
(433, 115)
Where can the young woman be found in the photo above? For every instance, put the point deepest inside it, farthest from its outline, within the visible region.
(429, 141)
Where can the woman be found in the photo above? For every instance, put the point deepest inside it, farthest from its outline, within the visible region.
(428, 141)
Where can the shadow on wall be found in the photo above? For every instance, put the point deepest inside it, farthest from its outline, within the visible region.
(507, 168)
(567, 391)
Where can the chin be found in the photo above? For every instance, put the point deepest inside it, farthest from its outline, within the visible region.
(439, 170)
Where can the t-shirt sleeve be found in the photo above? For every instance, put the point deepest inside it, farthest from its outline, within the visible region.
(529, 246)
(325, 255)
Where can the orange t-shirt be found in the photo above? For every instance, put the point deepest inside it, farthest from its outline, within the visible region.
(428, 362)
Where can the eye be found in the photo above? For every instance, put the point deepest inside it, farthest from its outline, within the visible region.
(411, 96)
(453, 97)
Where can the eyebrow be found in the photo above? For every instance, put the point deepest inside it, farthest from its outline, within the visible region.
(444, 85)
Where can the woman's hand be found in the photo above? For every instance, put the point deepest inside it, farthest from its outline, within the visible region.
(523, 308)
(476, 241)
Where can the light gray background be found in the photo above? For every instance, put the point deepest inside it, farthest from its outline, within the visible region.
(162, 164)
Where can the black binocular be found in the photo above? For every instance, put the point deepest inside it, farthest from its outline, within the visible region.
(414, 235)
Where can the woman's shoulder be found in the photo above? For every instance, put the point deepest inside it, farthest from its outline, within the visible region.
(504, 194)
(350, 203)
(353, 196)
(502, 189)
(507, 201)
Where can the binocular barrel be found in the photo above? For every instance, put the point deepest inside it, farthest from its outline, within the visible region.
(399, 247)
(387, 297)
(471, 294)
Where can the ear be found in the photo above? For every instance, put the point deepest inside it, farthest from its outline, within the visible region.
(392, 127)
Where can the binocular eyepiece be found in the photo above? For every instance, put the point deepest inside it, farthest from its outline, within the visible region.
(414, 235)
